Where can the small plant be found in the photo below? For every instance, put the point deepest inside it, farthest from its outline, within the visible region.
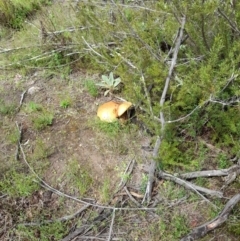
(65, 103)
(144, 182)
(43, 120)
(13, 135)
(6, 109)
(223, 161)
(91, 87)
(33, 107)
(105, 191)
(109, 83)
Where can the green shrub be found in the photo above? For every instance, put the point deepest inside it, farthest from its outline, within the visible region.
(13, 13)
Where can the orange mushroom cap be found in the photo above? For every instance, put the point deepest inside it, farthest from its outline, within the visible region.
(123, 107)
(108, 111)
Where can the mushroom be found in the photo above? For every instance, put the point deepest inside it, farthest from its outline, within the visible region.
(111, 110)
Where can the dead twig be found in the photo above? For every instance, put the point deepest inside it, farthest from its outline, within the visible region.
(111, 226)
(202, 230)
(127, 172)
(91, 48)
(21, 100)
(132, 198)
(3, 196)
(18, 142)
(192, 187)
(210, 173)
(151, 175)
(231, 23)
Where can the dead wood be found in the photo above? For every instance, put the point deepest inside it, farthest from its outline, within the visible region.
(127, 172)
(152, 169)
(202, 230)
(23, 95)
(132, 198)
(193, 187)
(74, 234)
(211, 173)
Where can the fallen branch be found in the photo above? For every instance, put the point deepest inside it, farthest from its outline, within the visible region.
(151, 174)
(127, 172)
(132, 198)
(192, 187)
(21, 100)
(111, 226)
(210, 173)
(18, 142)
(202, 230)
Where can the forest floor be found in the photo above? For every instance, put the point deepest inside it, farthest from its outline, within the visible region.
(83, 168)
(65, 175)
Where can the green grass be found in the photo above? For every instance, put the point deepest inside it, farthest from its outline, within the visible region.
(105, 194)
(65, 103)
(42, 120)
(6, 109)
(91, 87)
(111, 129)
(33, 107)
(79, 176)
(17, 184)
(53, 231)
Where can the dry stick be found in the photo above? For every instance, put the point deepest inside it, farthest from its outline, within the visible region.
(21, 100)
(72, 235)
(193, 187)
(111, 226)
(232, 24)
(202, 230)
(210, 173)
(128, 170)
(92, 48)
(148, 193)
(18, 143)
(132, 198)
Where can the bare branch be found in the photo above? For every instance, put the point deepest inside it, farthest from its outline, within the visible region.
(91, 48)
(111, 226)
(232, 24)
(202, 230)
(192, 187)
(152, 168)
(127, 171)
(210, 173)
(131, 197)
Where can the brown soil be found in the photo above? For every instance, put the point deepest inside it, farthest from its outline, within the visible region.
(73, 137)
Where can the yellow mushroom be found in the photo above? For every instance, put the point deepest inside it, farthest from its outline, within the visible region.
(111, 110)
